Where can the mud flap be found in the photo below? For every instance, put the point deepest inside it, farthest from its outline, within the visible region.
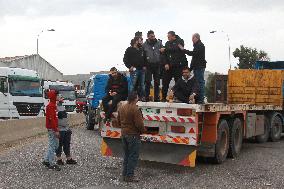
(184, 155)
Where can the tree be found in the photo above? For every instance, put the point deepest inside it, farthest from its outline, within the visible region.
(248, 56)
(210, 87)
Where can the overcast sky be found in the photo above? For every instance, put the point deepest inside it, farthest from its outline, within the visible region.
(92, 35)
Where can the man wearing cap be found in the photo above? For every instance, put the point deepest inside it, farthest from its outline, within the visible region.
(116, 90)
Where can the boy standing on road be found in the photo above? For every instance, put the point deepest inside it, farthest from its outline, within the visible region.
(131, 122)
(65, 135)
(53, 132)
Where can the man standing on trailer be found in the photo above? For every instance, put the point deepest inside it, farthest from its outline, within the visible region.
(152, 48)
(198, 63)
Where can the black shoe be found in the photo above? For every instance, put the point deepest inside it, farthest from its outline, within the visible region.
(156, 100)
(131, 179)
(164, 100)
(60, 162)
(71, 161)
(45, 163)
(54, 167)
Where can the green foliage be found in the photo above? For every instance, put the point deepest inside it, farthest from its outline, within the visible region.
(210, 87)
(248, 56)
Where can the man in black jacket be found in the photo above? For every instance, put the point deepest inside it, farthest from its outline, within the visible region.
(186, 89)
(152, 48)
(198, 63)
(135, 60)
(116, 90)
(175, 60)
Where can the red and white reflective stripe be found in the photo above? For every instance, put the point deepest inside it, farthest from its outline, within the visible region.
(169, 118)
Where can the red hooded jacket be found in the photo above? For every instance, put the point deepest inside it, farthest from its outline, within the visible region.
(51, 118)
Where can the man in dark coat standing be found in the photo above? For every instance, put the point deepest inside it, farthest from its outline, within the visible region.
(198, 63)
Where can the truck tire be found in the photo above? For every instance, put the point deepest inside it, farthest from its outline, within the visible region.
(276, 127)
(264, 138)
(222, 143)
(236, 138)
(90, 121)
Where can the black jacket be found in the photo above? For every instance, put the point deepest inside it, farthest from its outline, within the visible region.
(174, 55)
(135, 57)
(118, 85)
(182, 89)
(198, 56)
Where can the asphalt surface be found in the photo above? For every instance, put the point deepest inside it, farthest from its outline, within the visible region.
(258, 166)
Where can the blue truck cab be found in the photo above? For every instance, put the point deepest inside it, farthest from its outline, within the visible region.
(95, 92)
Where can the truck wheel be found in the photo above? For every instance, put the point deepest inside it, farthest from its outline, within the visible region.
(89, 121)
(264, 138)
(276, 128)
(222, 143)
(236, 138)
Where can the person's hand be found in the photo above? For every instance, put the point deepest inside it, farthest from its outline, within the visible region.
(167, 67)
(162, 50)
(181, 47)
(144, 68)
(57, 135)
(191, 98)
(131, 69)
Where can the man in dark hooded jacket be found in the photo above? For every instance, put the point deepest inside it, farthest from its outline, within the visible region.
(175, 61)
(116, 90)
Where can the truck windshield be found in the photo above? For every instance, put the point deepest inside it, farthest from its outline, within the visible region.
(68, 95)
(25, 88)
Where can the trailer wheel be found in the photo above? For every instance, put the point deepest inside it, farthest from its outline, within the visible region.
(90, 121)
(222, 143)
(276, 128)
(264, 138)
(236, 138)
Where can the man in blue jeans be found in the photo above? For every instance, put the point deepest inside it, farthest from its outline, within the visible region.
(135, 60)
(198, 63)
(130, 120)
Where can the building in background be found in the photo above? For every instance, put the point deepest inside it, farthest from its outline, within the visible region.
(33, 62)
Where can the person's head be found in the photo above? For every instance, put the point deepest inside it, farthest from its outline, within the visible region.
(60, 99)
(132, 97)
(52, 95)
(186, 72)
(138, 34)
(151, 35)
(195, 38)
(113, 72)
(171, 35)
(136, 42)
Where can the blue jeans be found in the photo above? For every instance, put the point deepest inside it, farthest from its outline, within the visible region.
(131, 146)
(138, 82)
(199, 76)
(53, 144)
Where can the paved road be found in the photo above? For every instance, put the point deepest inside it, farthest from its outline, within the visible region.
(259, 166)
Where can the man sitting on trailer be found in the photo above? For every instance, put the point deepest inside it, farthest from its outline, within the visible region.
(186, 89)
(116, 90)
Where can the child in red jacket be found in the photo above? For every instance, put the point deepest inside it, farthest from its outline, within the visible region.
(53, 132)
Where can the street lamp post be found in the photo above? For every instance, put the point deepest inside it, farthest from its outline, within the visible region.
(229, 46)
(38, 38)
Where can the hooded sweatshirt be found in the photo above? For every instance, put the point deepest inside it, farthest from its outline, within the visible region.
(51, 118)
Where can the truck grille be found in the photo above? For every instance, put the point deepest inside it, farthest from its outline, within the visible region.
(28, 109)
(70, 108)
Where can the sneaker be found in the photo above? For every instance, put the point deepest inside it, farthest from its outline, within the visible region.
(60, 162)
(45, 163)
(71, 161)
(54, 167)
(131, 179)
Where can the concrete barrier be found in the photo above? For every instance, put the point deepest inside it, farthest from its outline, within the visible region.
(13, 130)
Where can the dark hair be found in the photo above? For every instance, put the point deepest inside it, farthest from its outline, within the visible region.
(138, 34)
(113, 69)
(132, 96)
(150, 32)
(186, 68)
(133, 41)
(172, 33)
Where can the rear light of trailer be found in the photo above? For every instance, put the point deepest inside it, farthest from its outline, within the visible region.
(178, 129)
(184, 112)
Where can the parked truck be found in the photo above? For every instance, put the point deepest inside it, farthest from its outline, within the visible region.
(66, 89)
(20, 93)
(178, 132)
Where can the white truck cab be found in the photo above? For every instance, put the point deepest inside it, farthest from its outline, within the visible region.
(20, 93)
(66, 89)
